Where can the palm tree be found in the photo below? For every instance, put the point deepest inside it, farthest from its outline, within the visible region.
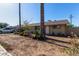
(42, 36)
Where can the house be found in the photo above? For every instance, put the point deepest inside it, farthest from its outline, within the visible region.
(53, 27)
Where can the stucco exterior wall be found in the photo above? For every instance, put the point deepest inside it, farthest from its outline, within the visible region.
(51, 29)
(47, 29)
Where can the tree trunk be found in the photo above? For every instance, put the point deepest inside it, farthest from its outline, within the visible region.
(42, 36)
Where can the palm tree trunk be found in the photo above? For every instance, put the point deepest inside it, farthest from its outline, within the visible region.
(42, 22)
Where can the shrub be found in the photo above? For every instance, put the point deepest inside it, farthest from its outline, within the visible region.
(23, 31)
(37, 33)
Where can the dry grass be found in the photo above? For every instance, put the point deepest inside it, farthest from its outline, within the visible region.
(74, 49)
(24, 46)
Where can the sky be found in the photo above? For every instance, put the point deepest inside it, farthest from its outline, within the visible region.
(31, 12)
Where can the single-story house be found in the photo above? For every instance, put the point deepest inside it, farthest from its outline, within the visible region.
(53, 27)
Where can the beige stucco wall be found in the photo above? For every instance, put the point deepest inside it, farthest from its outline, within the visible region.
(60, 30)
(47, 29)
(50, 29)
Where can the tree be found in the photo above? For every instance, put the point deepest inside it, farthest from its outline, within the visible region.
(2, 25)
(26, 25)
(70, 25)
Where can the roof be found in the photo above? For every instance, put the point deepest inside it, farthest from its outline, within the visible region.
(56, 22)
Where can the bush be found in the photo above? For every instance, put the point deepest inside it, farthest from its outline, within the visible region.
(23, 31)
(3, 25)
(37, 33)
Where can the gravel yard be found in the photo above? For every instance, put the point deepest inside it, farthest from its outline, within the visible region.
(24, 46)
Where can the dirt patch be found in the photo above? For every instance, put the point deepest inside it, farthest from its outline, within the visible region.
(25, 46)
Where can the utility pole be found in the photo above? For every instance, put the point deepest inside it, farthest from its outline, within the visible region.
(42, 36)
(71, 32)
(19, 15)
(71, 18)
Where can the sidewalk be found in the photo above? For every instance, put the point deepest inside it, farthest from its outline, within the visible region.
(3, 52)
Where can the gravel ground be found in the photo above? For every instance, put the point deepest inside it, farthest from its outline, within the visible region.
(24, 46)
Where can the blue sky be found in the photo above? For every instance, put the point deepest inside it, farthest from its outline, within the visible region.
(31, 12)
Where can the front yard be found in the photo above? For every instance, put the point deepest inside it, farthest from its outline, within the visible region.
(25, 46)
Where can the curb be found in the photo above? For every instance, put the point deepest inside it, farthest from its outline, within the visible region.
(3, 52)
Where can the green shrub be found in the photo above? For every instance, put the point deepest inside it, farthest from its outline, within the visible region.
(36, 34)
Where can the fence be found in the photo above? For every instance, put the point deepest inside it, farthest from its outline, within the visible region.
(75, 30)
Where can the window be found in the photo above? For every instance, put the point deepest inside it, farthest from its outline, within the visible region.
(56, 26)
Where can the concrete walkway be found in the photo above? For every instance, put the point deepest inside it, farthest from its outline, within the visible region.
(3, 52)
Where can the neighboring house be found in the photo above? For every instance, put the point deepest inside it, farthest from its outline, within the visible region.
(53, 27)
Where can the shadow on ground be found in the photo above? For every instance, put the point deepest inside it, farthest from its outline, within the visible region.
(56, 41)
